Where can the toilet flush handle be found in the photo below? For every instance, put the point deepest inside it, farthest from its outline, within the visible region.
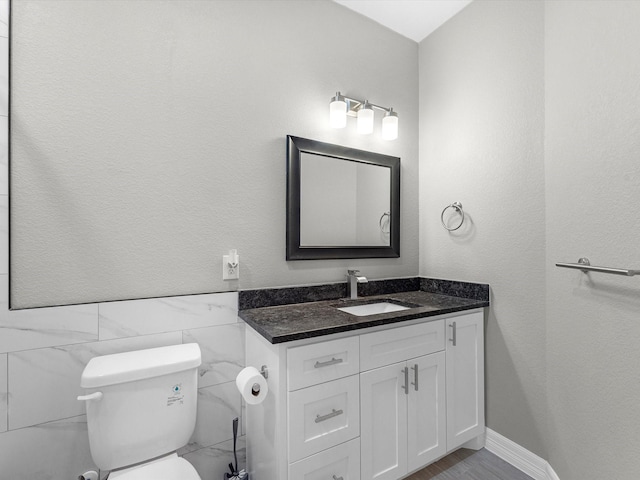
(91, 396)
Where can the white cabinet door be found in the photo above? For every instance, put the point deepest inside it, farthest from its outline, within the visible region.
(465, 378)
(427, 436)
(383, 421)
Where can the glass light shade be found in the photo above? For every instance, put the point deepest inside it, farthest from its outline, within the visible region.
(390, 126)
(365, 119)
(338, 112)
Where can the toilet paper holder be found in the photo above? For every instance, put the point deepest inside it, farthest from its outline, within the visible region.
(264, 371)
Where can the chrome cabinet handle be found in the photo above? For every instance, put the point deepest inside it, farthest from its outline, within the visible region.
(333, 361)
(415, 376)
(334, 413)
(405, 370)
(453, 338)
(337, 478)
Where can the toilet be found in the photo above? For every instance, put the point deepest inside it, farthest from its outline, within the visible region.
(141, 408)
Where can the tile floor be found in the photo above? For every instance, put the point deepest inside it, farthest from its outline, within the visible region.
(470, 465)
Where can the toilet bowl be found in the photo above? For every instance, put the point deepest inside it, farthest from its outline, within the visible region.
(170, 467)
(141, 408)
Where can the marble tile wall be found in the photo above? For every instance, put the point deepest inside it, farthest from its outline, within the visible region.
(39, 382)
(43, 429)
(3, 392)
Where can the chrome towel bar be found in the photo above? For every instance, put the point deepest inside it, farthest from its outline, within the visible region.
(585, 265)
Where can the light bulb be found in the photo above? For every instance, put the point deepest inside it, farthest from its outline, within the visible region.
(365, 119)
(338, 112)
(390, 125)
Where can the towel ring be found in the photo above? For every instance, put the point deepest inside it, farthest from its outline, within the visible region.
(382, 223)
(457, 206)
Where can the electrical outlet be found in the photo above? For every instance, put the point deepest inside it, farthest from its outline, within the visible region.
(230, 271)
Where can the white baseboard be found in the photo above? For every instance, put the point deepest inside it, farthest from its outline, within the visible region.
(521, 458)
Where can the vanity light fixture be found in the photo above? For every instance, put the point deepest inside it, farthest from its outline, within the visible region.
(390, 125)
(341, 106)
(338, 112)
(365, 119)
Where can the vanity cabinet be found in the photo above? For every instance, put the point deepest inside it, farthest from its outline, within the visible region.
(375, 403)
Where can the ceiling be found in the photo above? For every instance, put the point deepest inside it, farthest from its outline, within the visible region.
(415, 19)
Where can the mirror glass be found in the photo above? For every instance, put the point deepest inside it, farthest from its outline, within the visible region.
(342, 202)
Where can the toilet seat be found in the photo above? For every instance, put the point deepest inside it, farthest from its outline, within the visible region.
(170, 467)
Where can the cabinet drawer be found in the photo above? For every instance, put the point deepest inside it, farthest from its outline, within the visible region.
(339, 462)
(398, 344)
(323, 416)
(321, 362)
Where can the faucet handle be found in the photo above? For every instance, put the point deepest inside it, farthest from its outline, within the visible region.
(352, 272)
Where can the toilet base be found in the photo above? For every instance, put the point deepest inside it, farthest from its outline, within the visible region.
(169, 467)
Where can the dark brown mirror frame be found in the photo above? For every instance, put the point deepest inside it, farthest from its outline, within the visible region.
(296, 146)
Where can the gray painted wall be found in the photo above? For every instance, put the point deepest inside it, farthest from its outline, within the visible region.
(148, 138)
(481, 143)
(529, 116)
(593, 191)
(43, 431)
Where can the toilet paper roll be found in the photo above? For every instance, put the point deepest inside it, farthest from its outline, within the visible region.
(252, 385)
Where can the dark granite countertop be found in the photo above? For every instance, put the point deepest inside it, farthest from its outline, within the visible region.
(297, 321)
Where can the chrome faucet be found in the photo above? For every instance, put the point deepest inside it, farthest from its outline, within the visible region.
(352, 283)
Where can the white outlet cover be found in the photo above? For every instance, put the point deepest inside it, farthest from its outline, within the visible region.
(229, 273)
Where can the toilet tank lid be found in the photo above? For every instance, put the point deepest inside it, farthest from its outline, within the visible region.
(140, 364)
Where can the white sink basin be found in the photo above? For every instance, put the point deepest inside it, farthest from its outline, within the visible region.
(373, 308)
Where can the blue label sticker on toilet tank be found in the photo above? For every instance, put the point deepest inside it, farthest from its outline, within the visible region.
(176, 397)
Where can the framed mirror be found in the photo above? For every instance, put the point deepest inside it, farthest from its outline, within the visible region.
(341, 202)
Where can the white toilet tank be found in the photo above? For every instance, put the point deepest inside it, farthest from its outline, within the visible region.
(143, 403)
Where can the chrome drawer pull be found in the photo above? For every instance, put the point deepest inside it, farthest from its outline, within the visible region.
(334, 413)
(454, 332)
(333, 361)
(415, 376)
(337, 478)
(405, 387)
